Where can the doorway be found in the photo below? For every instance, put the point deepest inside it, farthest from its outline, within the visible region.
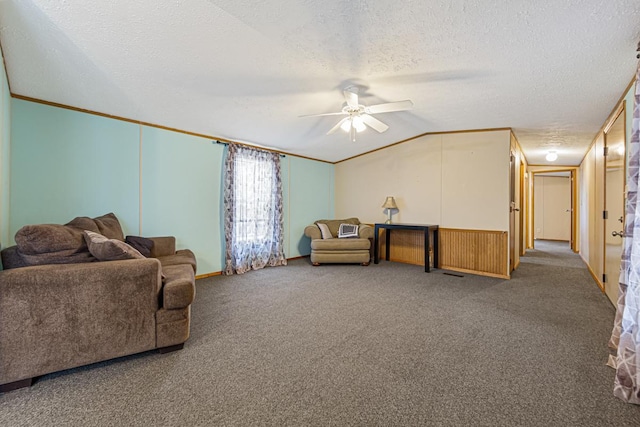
(615, 177)
(553, 204)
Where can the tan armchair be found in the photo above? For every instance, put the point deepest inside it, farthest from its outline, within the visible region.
(349, 250)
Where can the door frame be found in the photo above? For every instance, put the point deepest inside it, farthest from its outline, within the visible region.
(523, 181)
(620, 112)
(573, 242)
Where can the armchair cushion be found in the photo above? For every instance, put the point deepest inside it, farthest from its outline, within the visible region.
(334, 224)
(340, 244)
(324, 231)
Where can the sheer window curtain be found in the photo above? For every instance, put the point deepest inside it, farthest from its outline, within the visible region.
(253, 219)
(625, 338)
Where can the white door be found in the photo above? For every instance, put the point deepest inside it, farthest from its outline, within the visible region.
(552, 215)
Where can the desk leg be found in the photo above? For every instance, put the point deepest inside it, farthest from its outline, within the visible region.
(387, 249)
(436, 246)
(427, 269)
(376, 242)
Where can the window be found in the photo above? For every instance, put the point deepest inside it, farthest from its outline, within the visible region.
(253, 210)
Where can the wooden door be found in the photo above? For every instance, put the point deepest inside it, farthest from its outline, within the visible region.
(615, 174)
(512, 211)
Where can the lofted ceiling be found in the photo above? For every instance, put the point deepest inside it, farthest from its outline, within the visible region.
(245, 71)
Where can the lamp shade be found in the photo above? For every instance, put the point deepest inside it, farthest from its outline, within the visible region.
(390, 203)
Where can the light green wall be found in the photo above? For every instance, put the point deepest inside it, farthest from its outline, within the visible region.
(181, 187)
(5, 167)
(311, 197)
(66, 163)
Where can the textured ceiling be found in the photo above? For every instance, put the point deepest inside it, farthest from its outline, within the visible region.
(244, 70)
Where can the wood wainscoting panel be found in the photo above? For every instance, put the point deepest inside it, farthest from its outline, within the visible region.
(406, 246)
(482, 252)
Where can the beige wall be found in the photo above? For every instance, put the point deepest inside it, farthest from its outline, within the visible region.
(475, 180)
(592, 197)
(456, 180)
(411, 172)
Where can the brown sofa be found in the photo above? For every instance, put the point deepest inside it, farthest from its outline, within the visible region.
(351, 250)
(61, 308)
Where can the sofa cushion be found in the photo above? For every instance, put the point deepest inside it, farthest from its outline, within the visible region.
(105, 249)
(107, 225)
(49, 238)
(11, 258)
(341, 244)
(51, 244)
(141, 244)
(183, 256)
(334, 224)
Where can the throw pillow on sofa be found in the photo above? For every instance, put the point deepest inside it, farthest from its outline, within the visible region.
(334, 224)
(105, 249)
(324, 230)
(142, 244)
(348, 230)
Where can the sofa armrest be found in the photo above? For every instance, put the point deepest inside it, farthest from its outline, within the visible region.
(313, 232)
(179, 286)
(365, 231)
(55, 317)
(163, 246)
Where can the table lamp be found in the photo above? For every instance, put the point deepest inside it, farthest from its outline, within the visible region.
(389, 204)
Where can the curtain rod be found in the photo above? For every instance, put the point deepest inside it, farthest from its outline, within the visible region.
(226, 143)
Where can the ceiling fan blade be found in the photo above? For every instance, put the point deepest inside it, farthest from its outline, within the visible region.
(323, 114)
(336, 127)
(374, 123)
(351, 97)
(389, 107)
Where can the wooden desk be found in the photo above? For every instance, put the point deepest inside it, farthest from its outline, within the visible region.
(426, 228)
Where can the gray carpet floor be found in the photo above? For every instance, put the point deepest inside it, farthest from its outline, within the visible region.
(346, 345)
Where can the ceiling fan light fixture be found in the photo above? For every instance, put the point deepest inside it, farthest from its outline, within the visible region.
(346, 125)
(359, 117)
(358, 123)
(552, 156)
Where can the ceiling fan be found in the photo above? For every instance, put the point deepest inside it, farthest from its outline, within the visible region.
(359, 116)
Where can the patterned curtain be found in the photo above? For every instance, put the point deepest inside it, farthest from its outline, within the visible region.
(253, 220)
(625, 338)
